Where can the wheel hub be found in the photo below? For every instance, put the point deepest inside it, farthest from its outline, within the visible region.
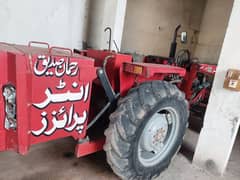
(156, 136)
(155, 133)
(159, 136)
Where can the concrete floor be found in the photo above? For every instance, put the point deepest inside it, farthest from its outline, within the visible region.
(182, 169)
(54, 161)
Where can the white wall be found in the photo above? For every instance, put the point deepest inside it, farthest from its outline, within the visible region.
(222, 117)
(59, 22)
(106, 13)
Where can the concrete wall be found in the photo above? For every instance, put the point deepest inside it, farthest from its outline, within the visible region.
(59, 22)
(102, 14)
(222, 117)
(212, 31)
(97, 24)
(149, 24)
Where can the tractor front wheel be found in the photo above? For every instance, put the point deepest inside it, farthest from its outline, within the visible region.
(146, 130)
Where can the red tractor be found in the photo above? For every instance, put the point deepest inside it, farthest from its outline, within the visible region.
(137, 112)
(196, 84)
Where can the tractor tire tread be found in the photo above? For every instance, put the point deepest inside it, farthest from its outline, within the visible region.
(125, 121)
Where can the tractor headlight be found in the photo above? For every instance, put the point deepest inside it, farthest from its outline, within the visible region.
(9, 94)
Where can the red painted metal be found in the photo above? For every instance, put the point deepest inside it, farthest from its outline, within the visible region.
(45, 111)
(38, 43)
(191, 76)
(189, 79)
(208, 69)
(54, 90)
(8, 138)
(150, 70)
(89, 147)
(199, 97)
(119, 70)
(128, 78)
(51, 50)
(113, 66)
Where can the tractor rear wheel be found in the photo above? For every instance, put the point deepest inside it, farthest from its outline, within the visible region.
(146, 130)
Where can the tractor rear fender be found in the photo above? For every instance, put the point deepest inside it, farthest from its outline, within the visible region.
(132, 73)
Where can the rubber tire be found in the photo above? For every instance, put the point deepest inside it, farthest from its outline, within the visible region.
(128, 121)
